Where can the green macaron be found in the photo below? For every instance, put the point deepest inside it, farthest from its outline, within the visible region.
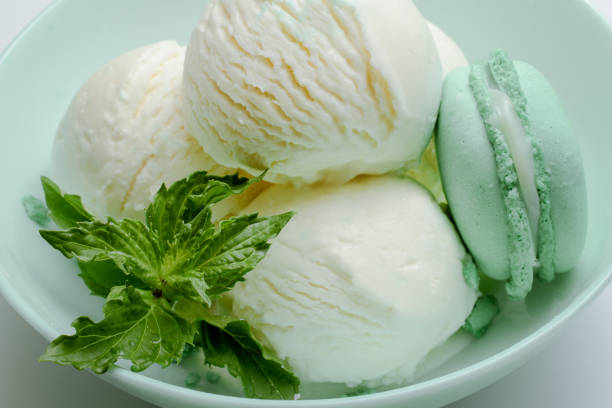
(512, 172)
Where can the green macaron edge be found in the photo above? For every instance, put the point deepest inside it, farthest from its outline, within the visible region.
(505, 75)
(519, 234)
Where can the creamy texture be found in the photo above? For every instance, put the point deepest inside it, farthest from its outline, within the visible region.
(427, 172)
(505, 119)
(451, 55)
(123, 134)
(363, 282)
(312, 89)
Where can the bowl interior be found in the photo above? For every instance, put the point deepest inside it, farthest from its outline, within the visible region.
(44, 68)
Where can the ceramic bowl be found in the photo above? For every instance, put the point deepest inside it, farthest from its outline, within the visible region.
(43, 68)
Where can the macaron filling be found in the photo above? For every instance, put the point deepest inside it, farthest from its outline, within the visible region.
(523, 177)
(504, 118)
(520, 242)
(505, 75)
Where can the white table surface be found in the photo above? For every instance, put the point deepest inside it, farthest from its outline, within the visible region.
(576, 371)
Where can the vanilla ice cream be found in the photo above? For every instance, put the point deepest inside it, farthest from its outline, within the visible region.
(451, 55)
(123, 134)
(312, 89)
(363, 282)
(427, 173)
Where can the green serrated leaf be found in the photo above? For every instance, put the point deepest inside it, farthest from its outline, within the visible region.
(65, 209)
(231, 344)
(128, 243)
(239, 245)
(135, 328)
(101, 276)
(174, 207)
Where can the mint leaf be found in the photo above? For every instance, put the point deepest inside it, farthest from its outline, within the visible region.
(126, 242)
(239, 245)
(100, 277)
(205, 265)
(136, 327)
(230, 343)
(188, 201)
(66, 210)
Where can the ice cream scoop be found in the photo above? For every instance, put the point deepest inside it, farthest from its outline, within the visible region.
(451, 55)
(312, 90)
(123, 135)
(512, 172)
(427, 173)
(363, 282)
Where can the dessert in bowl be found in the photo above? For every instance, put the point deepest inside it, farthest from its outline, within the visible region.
(509, 339)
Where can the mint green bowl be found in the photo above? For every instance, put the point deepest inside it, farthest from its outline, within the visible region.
(44, 67)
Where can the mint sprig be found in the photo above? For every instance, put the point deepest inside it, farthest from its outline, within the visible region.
(65, 209)
(161, 277)
(230, 344)
(137, 327)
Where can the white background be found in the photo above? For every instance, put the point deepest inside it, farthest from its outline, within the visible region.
(576, 370)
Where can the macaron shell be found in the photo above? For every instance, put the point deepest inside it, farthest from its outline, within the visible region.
(561, 153)
(469, 177)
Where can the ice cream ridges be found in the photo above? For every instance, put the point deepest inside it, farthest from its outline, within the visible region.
(346, 295)
(123, 135)
(312, 90)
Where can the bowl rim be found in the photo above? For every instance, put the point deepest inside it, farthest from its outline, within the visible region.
(123, 375)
